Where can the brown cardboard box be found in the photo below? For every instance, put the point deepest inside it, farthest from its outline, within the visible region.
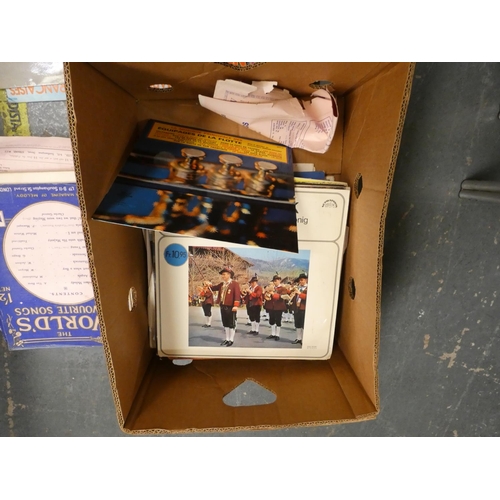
(106, 104)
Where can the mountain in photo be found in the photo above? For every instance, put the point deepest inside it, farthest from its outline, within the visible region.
(287, 266)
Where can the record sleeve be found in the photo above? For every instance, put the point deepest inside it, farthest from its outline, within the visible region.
(193, 319)
(198, 183)
(46, 294)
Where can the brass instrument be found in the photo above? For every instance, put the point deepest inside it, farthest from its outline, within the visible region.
(268, 291)
(293, 291)
(291, 294)
(201, 298)
(244, 290)
(301, 289)
(205, 286)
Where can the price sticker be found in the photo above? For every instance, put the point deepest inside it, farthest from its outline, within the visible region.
(175, 254)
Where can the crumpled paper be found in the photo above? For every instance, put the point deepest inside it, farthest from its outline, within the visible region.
(298, 123)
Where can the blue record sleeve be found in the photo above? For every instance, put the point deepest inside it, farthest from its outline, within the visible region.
(46, 294)
(193, 182)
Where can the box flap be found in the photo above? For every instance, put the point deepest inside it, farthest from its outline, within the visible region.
(187, 80)
(374, 119)
(307, 393)
(96, 157)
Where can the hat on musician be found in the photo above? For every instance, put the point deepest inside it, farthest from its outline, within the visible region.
(276, 277)
(227, 270)
(302, 275)
(254, 278)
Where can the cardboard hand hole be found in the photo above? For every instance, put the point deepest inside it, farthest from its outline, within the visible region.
(160, 87)
(351, 288)
(182, 362)
(358, 185)
(132, 298)
(249, 393)
(321, 84)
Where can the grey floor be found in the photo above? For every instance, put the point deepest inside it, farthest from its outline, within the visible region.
(439, 362)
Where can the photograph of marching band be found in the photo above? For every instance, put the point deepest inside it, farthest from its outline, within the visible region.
(247, 297)
(197, 183)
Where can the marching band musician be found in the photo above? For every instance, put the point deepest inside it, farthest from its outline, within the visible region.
(299, 304)
(229, 297)
(253, 301)
(207, 297)
(275, 307)
(288, 312)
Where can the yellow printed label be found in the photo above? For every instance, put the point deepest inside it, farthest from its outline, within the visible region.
(14, 116)
(218, 142)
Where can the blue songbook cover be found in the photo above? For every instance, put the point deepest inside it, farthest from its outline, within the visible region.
(46, 294)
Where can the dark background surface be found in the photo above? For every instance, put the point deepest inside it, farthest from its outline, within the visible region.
(439, 358)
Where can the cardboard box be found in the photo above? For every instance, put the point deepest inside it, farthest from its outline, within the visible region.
(106, 102)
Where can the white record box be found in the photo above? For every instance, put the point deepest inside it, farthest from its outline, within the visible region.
(293, 319)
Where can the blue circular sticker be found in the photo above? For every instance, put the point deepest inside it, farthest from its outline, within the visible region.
(175, 254)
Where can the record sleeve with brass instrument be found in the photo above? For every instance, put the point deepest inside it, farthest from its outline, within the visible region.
(205, 184)
(321, 244)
